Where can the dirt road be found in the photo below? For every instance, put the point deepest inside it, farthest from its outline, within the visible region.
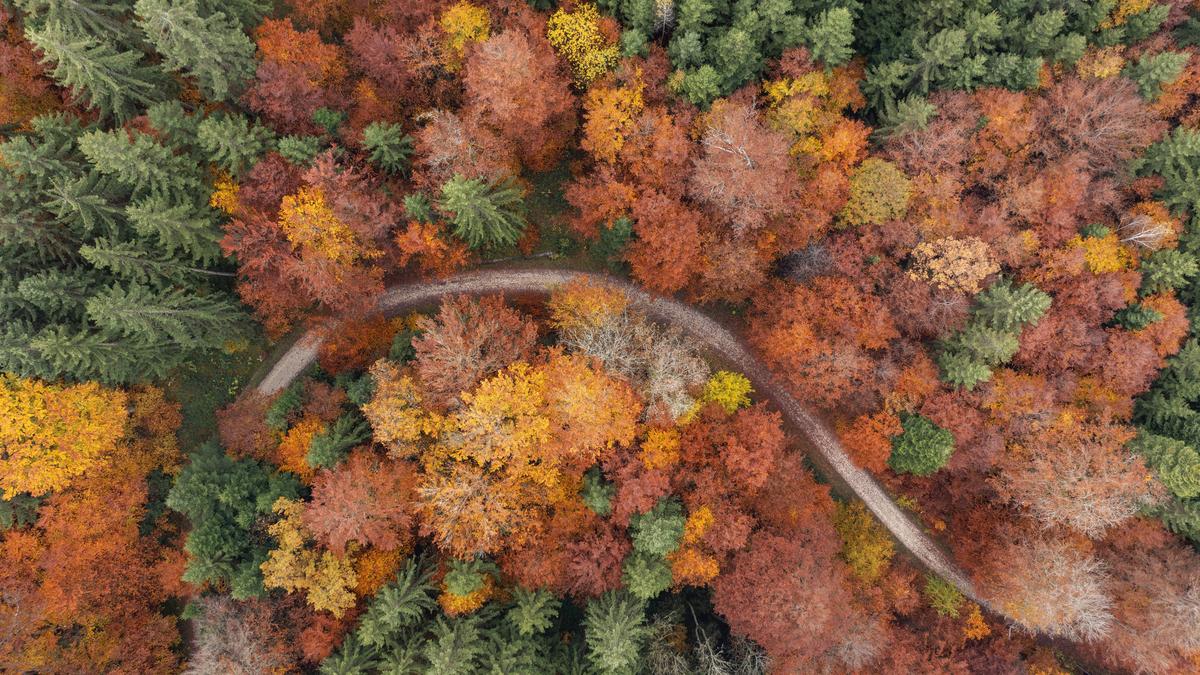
(821, 444)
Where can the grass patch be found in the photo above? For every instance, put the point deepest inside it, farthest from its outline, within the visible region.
(208, 383)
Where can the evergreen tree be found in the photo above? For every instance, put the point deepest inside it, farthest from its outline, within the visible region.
(389, 147)
(353, 658)
(597, 493)
(130, 261)
(232, 142)
(418, 208)
(116, 83)
(300, 150)
(1136, 317)
(145, 166)
(179, 229)
(213, 49)
(1177, 160)
(288, 403)
(1176, 463)
(984, 344)
(454, 646)
(615, 631)
(658, 531)
(1151, 72)
(1165, 270)
(331, 446)
(19, 511)
(1006, 308)
(922, 448)
(185, 319)
(534, 611)
(484, 215)
(645, 575)
(224, 499)
(830, 35)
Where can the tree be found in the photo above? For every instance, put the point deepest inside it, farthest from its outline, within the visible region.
(666, 251)
(212, 49)
(953, 264)
(232, 142)
(467, 341)
(514, 83)
(223, 499)
(115, 83)
(364, 499)
(329, 447)
(922, 448)
(1077, 473)
(1048, 586)
(462, 24)
(615, 631)
(293, 566)
(238, 637)
(53, 434)
(483, 214)
(1176, 462)
(390, 148)
(171, 317)
(879, 192)
(577, 37)
(866, 545)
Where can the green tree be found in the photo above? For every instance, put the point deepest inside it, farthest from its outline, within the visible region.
(645, 575)
(211, 48)
(1007, 308)
(288, 403)
(224, 499)
(116, 83)
(534, 611)
(1152, 71)
(300, 150)
(615, 631)
(922, 448)
(130, 261)
(830, 36)
(984, 344)
(1136, 316)
(232, 142)
(403, 603)
(1177, 160)
(1176, 463)
(186, 320)
(597, 493)
(331, 446)
(388, 146)
(183, 230)
(145, 166)
(483, 214)
(658, 531)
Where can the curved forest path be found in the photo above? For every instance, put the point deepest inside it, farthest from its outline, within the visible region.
(819, 440)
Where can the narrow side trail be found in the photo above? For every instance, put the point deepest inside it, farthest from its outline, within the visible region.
(820, 442)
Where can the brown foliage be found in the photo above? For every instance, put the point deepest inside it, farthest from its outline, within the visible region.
(365, 499)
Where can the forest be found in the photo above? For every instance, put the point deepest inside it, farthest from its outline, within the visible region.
(878, 349)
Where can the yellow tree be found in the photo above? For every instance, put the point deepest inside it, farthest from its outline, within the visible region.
(51, 434)
(590, 412)
(462, 24)
(953, 264)
(313, 228)
(577, 37)
(610, 116)
(295, 565)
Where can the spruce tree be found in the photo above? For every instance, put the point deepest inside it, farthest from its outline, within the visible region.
(232, 142)
(1166, 270)
(1176, 463)
(922, 448)
(534, 611)
(615, 631)
(213, 49)
(388, 146)
(330, 447)
(179, 229)
(483, 214)
(133, 262)
(645, 575)
(658, 531)
(300, 150)
(145, 166)
(185, 320)
(116, 83)
(1152, 71)
(1006, 308)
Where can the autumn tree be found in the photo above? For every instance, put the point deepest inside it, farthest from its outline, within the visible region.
(365, 499)
(466, 341)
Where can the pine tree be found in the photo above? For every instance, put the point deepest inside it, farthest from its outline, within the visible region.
(1151, 72)
(645, 575)
(597, 493)
(185, 319)
(615, 631)
(830, 36)
(330, 447)
(132, 262)
(658, 531)
(300, 150)
(102, 19)
(352, 658)
(484, 215)
(1136, 317)
(1176, 463)
(289, 402)
(116, 83)
(1006, 308)
(148, 168)
(1177, 160)
(389, 147)
(534, 611)
(1166, 270)
(178, 228)
(400, 605)
(984, 344)
(224, 499)
(232, 142)
(922, 448)
(454, 646)
(213, 49)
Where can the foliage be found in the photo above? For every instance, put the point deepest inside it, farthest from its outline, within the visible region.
(879, 192)
(943, 597)
(866, 545)
(54, 434)
(577, 37)
(389, 147)
(483, 214)
(325, 578)
(615, 628)
(922, 448)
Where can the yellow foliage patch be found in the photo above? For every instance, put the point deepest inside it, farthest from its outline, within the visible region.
(462, 24)
(577, 37)
(660, 448)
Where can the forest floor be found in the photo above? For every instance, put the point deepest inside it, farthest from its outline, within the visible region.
(724, 344)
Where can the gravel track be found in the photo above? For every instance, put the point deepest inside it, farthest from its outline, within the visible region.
(821, 444)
